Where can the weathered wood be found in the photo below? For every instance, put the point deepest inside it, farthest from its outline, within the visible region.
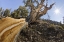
(37, 11)
(10, 29)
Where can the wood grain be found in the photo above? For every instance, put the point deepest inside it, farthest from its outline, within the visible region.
(10, 29)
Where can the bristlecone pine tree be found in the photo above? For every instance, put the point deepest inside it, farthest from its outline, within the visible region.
(1, 12)
(21, 12)
(6, 13)
(37, 10)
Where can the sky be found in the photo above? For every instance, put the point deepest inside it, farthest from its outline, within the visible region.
(59, 4)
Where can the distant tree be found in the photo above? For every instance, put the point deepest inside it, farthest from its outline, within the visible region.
(21, 12)
(37, 9)
(13, 14)
(1, 13)
(6, 13)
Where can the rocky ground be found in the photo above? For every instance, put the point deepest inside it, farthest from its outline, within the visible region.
(42, 32)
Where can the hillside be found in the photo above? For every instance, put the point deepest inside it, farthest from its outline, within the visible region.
(42, 32)
(15, 30)
(9, 28)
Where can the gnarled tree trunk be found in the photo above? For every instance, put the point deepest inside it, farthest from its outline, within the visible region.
(37, 11)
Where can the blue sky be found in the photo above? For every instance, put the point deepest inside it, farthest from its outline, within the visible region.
(10, 4)
(14, 4)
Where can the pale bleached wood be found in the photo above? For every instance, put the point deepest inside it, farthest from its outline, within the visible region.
(10, 33)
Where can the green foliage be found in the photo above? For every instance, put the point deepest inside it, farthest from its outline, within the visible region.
(1, 12)
(7, 12)
(21, 12)
(14, 14)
